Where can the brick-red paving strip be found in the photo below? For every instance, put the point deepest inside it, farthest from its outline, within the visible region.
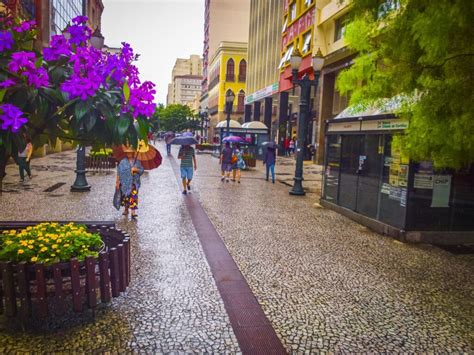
(251, 327)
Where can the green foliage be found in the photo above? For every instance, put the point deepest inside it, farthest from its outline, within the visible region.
(49, 243)
(177, 118)
(422, 50)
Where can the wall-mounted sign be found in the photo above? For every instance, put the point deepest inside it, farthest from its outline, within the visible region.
(262, 93)
(380, 125)
(344, 126)
(441, 190)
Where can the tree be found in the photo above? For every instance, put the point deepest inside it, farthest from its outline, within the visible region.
(176, 118)
(421, 51)
(71, 91)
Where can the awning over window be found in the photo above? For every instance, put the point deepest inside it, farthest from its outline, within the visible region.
(386, 106)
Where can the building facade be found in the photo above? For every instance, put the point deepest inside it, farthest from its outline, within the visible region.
(224, 20)
(331, 20)
(186, 87)
(227, 71)
(264, 57)
(184, 67)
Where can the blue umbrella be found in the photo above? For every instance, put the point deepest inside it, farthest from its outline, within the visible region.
(183, 140)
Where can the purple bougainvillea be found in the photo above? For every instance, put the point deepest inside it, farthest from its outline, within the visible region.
(6, 40)
(12, 117)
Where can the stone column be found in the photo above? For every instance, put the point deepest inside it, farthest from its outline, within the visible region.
(256, 111)
(248, 113)
(282, 117)
(267, 113)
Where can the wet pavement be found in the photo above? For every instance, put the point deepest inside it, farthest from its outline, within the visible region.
(324, 282)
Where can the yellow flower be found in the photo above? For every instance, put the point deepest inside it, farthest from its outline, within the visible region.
(59, 240)
(30, 246)
(53, 254)
(43, 249)
(20, 251)
(54, 246)
(13, 232)
(8, 242)
(31, 241)
(66, 245)
(29, 228)
(46, 240)
(33, 259)
(24, 243)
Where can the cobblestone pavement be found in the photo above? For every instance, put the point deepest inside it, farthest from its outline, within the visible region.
(172, 304)
(325, 282)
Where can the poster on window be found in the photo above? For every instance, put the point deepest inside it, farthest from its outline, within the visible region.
(423, 181)
(441, 190)
(403, 176)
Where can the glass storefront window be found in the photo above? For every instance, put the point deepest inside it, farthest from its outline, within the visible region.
(331, 172)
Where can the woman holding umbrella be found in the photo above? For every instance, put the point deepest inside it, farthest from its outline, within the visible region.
(129, 171)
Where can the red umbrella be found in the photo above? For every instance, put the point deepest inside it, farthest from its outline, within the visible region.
(149, 156)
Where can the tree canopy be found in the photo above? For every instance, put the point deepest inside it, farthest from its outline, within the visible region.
(421, 50)
(176, 118)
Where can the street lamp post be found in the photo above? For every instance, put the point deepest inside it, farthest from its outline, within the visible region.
(81, 184)
(229, 102)
(203, 116)
(305, 83)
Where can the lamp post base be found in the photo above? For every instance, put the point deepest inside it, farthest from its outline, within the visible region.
(80, 185)
(297, 189)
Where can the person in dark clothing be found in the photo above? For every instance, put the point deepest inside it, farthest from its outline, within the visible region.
(226, 162)
(269, 162)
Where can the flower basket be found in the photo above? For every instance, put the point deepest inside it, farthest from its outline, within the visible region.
(204, 147)
(36, 288)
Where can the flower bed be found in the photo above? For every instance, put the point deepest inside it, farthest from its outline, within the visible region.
(78, 265)
(250, 160)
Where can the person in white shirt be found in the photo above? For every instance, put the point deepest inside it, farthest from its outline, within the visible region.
(24, 159)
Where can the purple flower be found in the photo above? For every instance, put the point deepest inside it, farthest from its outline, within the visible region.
(59, 46)
(37, 78)
(83, 87)
(25, 26)
(80, 20)
(11, 117)
(22, 61)
(80, 34)
(6, 40)
(7, 83)
(141, 99)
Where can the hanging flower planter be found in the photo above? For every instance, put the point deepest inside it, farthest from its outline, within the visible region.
(97, 266)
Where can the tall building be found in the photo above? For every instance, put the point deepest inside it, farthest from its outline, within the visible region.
(263, 60)
(224, 21)
(227, 71)
(331, 22)
(186, 81)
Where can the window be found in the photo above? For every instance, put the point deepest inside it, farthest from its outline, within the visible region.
(339, 102)
(306, 42)
(285, 25)
(341, 24)
(241, 101)
(292, 11)
(286, 56)
(62, 11)
(230, 76)
(242, 70)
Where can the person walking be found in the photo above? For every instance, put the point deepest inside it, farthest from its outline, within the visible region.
(24, 159)
(286, 147)
(168, 138)
(188, 160)
(129, 172)
(226, 162)
(292, 146)
(269, 162)
(238, 164)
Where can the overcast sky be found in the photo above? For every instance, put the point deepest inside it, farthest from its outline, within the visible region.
(160, 30)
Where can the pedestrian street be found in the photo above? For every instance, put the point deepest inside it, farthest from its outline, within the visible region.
(233, 268)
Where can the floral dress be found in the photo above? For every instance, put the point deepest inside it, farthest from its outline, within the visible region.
(129, 183)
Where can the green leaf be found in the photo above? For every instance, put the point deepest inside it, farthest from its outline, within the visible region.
(2, 94)
(39, 62)
(141, 128)
(81, 109)
(126, 91)
(90, 121)
(123, 124)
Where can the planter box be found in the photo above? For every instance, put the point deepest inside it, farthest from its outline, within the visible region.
(100, 163)
(204, 147)
(26, 289)
(250, 162)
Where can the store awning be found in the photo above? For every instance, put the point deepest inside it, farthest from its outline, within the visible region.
(384, 107)
(232, 124)
(255, 125)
